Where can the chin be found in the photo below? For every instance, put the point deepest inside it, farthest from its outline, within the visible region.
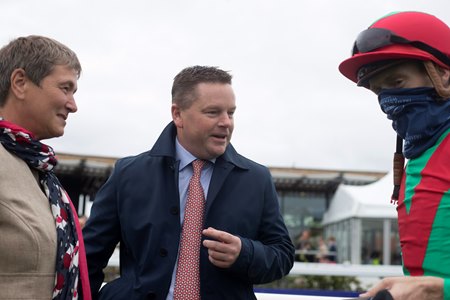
(218, 152)
(215, 150)
(56, 134)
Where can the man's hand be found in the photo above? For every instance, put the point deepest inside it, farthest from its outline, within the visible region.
(410, 288)
(223, 248)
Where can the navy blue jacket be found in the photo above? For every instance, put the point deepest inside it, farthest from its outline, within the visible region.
(139, 207)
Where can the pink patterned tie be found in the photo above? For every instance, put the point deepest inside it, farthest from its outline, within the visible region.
(187, 283)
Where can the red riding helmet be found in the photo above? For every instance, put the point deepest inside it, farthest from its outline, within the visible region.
(403, 35)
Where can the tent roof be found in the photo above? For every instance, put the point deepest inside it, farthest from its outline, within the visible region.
(369, 201)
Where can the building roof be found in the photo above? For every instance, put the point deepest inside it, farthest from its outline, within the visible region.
(319, 180)
(95, 170)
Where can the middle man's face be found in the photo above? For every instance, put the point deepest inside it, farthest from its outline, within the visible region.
(205, 128)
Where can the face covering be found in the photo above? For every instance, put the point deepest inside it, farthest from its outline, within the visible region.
(416, 116)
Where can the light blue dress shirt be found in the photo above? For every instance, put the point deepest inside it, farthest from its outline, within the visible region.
(185, 172)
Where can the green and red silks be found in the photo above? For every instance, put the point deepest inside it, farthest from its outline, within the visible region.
(424, 212)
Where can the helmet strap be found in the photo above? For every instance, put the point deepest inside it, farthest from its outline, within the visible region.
(398, 166)
(436, 79)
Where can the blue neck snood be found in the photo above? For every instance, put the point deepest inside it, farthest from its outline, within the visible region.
(416, 116)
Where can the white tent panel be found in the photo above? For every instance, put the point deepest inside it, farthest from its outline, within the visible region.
(368, 201)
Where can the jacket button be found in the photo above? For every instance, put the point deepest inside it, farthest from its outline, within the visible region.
(151, 296)
(163, 252)
(174, 210)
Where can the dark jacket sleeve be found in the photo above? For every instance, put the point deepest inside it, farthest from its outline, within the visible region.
(270, 256)
(102, 232)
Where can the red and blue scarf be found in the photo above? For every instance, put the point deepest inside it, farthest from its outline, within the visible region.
(42, 158)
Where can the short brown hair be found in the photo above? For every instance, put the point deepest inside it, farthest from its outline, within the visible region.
(37, 56)
(183, 88)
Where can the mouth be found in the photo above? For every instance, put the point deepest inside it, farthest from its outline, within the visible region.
(63, 116)
(221, 137)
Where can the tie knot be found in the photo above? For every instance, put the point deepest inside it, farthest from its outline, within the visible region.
(197, 165)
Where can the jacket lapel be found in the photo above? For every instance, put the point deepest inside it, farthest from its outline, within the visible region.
(221, 170)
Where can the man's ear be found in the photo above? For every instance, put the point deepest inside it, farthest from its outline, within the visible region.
(440, 77)
(18, 83)
(176, 115)
(445, 74)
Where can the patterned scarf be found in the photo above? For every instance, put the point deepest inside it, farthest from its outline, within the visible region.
(42, 158)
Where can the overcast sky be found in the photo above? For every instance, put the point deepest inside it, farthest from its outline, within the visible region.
(294, 107)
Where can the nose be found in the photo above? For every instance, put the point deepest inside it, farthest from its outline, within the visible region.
(225, 120)
(71, 105)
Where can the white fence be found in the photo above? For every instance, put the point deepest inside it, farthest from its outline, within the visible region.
(371, 272)
(268, 296)
(299, 268)
(377, 271)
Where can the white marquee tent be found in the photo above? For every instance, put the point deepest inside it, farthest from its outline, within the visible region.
(367, 201)
(360, 215)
